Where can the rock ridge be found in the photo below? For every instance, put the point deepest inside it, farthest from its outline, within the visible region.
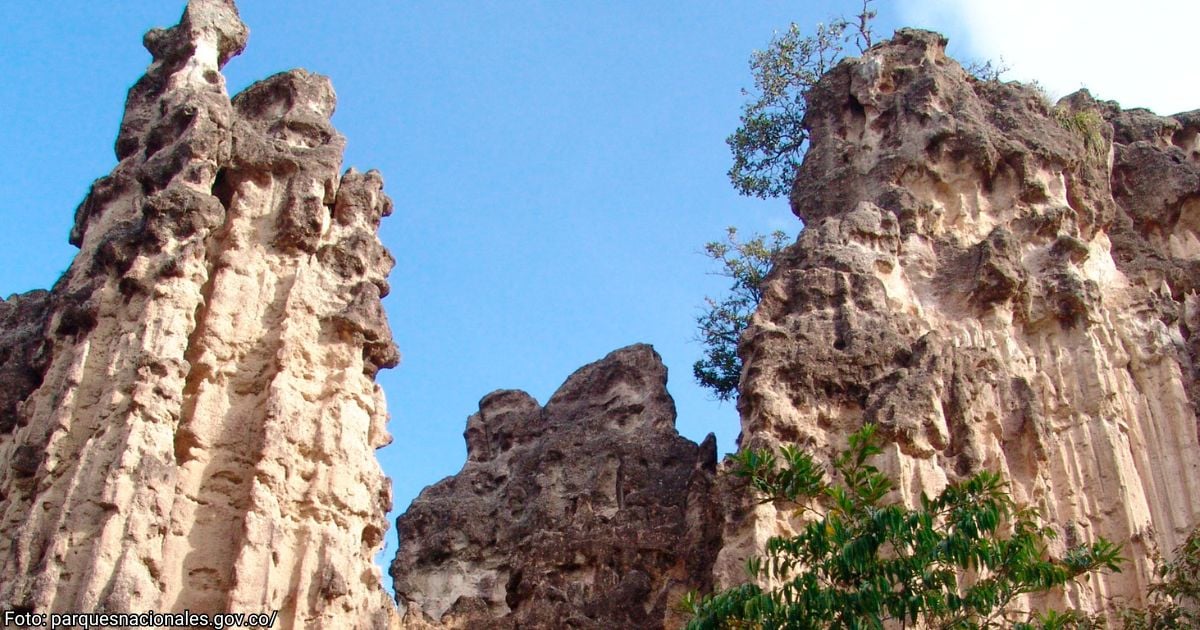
(589, 512)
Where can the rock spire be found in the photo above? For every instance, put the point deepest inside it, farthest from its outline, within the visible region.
(188, 418)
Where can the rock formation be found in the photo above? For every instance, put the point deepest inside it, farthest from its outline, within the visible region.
(188, 418)
(590, 512)
(999, 283)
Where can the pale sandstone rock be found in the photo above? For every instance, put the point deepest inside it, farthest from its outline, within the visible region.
(188, 419)
(994, 295)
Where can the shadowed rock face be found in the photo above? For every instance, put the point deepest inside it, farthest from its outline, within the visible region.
(590, 512)
(996, 291)
(188, 418)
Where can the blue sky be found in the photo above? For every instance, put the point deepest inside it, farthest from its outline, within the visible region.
(556, 166)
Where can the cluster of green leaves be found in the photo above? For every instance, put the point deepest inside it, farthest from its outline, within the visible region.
(1174, 600)
(721, 324)
(771, 141)
(959, 560)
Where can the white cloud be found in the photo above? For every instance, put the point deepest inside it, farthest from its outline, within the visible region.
(1140, 53)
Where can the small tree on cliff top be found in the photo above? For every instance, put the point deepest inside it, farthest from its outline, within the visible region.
(771, 141)
(767, 149)
(958, 560)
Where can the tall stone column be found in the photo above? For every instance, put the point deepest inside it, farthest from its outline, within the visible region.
(191, 414)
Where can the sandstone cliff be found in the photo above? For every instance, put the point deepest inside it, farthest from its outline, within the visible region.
(999, 284)
(590, 512)
(188, 418)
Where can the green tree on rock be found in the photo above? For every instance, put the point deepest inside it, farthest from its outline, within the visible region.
(959, 560)
(771, 141)
(721, 324)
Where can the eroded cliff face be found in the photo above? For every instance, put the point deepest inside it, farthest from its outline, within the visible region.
(998, 286)
(188, 418)
(590, 512)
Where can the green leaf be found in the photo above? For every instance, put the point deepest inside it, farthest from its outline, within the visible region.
(868, 563)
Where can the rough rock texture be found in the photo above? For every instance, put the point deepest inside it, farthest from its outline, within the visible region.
(188, 419)
(590, 512)
(998, 289)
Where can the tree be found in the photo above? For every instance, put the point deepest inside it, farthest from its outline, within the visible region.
(958, 560)
(1174, 600)
(771, 141)
(722, 322)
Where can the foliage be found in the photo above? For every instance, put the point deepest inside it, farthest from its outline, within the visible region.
(722, 322)
(989, 70)
(771, 141)
(1048, 100)
(958, 560)
(1087, 124)
(1174, 600)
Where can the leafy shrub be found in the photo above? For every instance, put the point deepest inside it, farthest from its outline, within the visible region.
(958, 560)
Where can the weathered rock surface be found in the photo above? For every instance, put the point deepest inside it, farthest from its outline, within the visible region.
(997, 290)
(590, 512)
(188, 419)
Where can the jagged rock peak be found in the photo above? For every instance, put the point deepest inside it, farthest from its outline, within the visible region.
(210, 30)
(188, 418)
(999, 282)
(590, 512)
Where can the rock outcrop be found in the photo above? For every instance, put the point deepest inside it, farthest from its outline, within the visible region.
(188, 418)
(590, 512)
(999, 283)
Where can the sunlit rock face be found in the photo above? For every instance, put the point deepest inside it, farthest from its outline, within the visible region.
(996, 289)
(589, 512)
(188, 418)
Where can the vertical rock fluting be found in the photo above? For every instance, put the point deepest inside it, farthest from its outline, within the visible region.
(590, 512)
(188, 419)
(999, 284)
